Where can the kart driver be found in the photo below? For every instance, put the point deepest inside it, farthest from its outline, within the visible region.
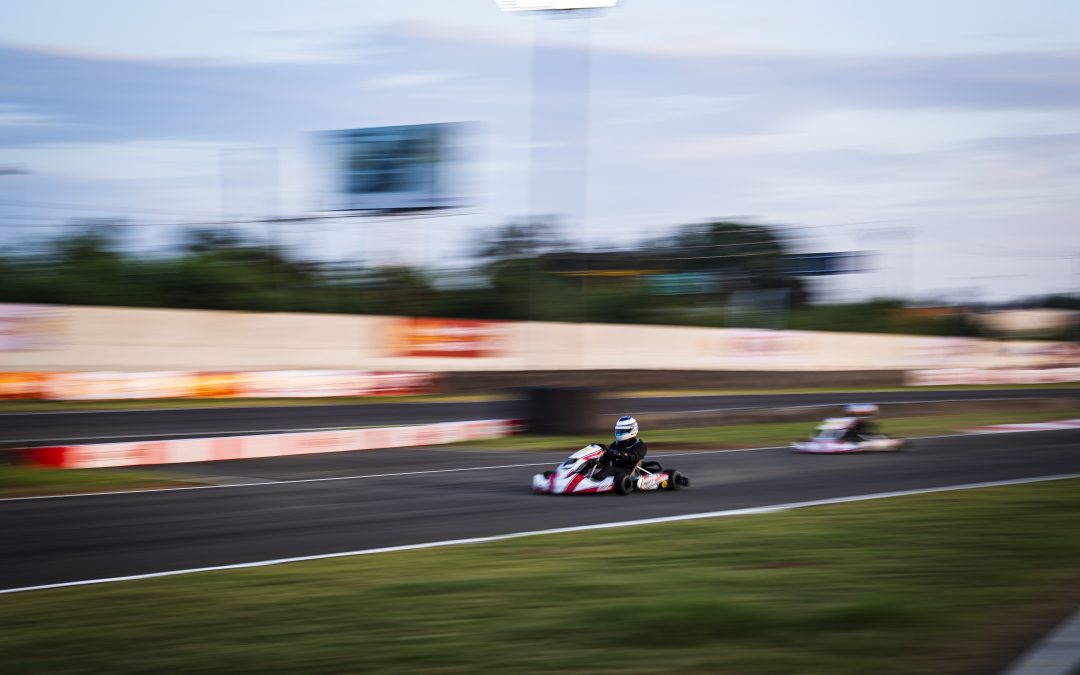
(865, 424)
(628, 450)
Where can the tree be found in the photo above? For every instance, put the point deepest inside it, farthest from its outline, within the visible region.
(519, 239)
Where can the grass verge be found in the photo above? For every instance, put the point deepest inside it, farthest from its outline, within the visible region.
(946, 583)
(779, 433)
(20, 481)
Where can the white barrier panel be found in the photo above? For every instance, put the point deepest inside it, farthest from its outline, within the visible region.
(955, 376)
(99, 455)
(311, 347)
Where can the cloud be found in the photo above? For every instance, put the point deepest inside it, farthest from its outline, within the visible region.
(110, 99)
(12, 115)
(411, 79)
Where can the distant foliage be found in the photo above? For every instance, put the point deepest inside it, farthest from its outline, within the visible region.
(709, 274)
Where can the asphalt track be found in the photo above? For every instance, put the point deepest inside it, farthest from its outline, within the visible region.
(119, 425)
(381, 498)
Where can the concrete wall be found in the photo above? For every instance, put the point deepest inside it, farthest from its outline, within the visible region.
(111, 338)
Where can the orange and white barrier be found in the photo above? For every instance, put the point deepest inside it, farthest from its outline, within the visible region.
(99, 385)
(97, 455)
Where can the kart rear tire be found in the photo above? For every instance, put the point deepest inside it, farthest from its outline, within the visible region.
(676, 481)
(624, 484)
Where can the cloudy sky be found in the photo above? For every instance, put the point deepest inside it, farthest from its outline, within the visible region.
(945, 134)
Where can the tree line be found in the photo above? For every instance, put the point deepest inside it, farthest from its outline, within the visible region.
(717, 273)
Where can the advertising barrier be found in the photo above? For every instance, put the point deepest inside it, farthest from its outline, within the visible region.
(108, 385)
(99, 455)
(22, 385)
(326, 351)
(448, 337)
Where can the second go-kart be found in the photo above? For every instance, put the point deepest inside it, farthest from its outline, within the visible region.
(837, 435)
(586, 471)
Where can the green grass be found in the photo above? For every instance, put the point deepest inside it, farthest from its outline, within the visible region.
(20, 481)
(780, 433)
(954, 582)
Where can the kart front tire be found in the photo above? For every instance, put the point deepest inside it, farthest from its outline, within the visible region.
(624, 484)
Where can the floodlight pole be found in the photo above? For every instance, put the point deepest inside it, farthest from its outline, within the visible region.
(554, 174)
(559, 153)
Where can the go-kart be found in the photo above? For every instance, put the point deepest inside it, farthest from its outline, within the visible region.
(835, 436)
(586, 471)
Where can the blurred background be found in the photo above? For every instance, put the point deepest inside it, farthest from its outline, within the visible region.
(783, 165)
(518, 221)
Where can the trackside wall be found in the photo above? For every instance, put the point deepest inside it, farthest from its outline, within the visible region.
(134, 339)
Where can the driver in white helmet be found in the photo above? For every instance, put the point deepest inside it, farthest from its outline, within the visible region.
(628, 450)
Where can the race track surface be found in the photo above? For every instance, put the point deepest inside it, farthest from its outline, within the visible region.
(440, 494)
(130, 425)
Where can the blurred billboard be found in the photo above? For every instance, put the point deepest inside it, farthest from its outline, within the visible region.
(448, 337)
(399, 168)
(827, 263)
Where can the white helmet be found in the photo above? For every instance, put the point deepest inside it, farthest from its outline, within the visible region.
(861, 410)
(625, 428)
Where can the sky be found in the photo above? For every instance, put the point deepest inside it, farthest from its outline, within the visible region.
(944, 135)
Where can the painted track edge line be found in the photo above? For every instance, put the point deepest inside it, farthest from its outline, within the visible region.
(752, 510)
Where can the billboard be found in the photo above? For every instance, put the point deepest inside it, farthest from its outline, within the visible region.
(822, 264)
(399, 168)
(448, 337)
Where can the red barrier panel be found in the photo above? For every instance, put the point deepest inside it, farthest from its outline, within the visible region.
(95, 455)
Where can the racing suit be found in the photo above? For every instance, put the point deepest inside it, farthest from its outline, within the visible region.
(860, 430)
(623, 456)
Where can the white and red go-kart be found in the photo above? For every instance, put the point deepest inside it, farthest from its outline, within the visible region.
(830, 439)
(577, 475)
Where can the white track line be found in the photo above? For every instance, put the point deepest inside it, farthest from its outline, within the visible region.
(773, 508)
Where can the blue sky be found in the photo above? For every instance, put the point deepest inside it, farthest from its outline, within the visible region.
(863, 121)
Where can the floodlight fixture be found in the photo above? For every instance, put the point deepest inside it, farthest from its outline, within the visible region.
(552, 5)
